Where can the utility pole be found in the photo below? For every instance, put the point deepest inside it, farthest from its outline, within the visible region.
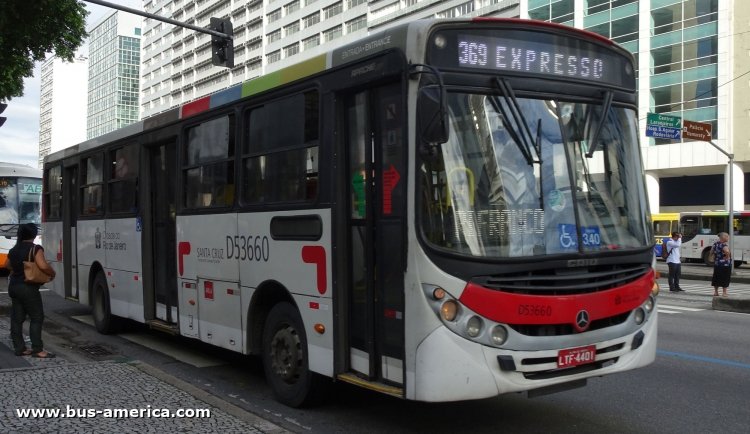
(222, 41)
(730, 231)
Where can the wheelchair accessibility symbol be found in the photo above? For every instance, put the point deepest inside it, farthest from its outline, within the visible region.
(568, 236)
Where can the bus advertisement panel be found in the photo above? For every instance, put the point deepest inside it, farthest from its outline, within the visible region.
(446, 196)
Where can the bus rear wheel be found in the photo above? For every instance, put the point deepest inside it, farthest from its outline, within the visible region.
(285, 359)
(104, 321)
(706, 256)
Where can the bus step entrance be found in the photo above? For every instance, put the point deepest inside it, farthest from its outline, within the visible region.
(157, 324)
(378, 387)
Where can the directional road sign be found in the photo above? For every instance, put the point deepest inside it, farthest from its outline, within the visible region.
(663, 120)
(696, 131)
(659, 132)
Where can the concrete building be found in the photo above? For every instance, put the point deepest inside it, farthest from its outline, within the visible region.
(268, 35)
(62, 105)
(114, 73)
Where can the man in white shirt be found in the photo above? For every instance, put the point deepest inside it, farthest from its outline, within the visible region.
(673, 262)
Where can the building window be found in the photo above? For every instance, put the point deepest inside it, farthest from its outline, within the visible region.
(356, 24)
(273, 57)
(291, 50)
(333, 10)
(311, 42)
(274, 16)
(332, 33)
(273, 36)
(291, 28)
(291, 7)
(311, 19)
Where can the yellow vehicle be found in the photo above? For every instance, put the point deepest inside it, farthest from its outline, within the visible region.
(664, 224)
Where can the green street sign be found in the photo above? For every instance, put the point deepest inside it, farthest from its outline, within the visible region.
(663, 120)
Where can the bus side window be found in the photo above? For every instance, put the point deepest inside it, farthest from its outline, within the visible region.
(209, 164)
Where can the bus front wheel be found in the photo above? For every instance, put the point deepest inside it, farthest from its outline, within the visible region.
(285, 359)
(103, 319)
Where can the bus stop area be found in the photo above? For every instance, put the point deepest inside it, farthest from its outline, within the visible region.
(72, 393)
(733, 303)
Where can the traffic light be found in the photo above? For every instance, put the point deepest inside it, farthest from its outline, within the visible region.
(3, 106)
(222, 49)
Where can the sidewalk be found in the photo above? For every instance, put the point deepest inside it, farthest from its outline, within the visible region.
(106, 396)
(704, 272)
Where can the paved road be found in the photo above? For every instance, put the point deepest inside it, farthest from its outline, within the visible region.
(697, 384)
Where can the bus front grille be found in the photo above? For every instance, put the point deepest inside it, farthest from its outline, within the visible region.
(565, 281)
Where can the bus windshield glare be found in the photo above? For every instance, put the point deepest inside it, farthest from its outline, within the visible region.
(514, 179)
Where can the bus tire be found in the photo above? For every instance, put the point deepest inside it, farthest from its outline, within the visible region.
(285, 358)
(103, 319)
(706, 255)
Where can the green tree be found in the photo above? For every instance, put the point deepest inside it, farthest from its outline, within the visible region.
(31, 28)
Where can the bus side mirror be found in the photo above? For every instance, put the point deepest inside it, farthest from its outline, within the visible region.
(432, 122)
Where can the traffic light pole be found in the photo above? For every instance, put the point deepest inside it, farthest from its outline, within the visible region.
(163, 19)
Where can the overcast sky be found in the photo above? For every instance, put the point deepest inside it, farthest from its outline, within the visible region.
(19, 136)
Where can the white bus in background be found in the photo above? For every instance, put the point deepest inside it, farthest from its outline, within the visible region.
(20, 202)
(416, 213)
(700, 230)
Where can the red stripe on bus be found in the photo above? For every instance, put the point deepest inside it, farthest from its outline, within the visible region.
(195, 107)
(509, 308)
(317, 255)
(538, 23)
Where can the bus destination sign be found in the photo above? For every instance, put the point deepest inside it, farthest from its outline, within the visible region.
(525, 53)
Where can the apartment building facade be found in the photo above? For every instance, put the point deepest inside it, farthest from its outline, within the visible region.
(114, 73)
(62, 109)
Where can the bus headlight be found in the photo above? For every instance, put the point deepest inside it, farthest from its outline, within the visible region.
(640, 315)
(449, 310)
(649, 305)
(499, 335)
(474, 326)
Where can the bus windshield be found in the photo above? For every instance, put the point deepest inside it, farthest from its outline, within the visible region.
(20, 201)
(514, 179)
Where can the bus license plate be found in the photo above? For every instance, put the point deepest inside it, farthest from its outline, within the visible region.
(576, 356)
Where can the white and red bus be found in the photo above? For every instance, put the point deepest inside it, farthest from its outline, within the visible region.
(445, 210)
(20, 202)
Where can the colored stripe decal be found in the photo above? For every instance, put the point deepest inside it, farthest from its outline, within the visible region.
(195, 107)
(512, 308)
(226, 96)
(284, 76)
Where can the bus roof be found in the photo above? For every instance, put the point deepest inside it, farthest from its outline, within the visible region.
(13, 169)
(401, 36)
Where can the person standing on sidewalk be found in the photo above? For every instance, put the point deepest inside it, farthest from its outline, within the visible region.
(722, 265)
(673, 262)
(25, 297)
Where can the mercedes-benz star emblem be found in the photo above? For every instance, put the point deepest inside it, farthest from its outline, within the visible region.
(582, 321)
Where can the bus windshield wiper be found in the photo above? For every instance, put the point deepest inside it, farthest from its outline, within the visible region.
(607, 103)
(521, 135)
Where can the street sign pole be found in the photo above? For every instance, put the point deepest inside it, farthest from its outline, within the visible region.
(731, 203)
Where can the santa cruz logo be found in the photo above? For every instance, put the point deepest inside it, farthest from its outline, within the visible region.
(582, 321)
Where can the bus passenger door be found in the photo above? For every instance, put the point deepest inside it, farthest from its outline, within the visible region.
(70, 240)
(376, 180)
(162, 197)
